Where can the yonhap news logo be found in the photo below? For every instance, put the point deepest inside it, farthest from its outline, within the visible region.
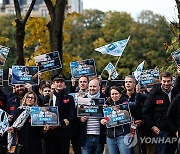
(130, 141)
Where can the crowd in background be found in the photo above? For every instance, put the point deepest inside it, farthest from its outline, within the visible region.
(154, 112)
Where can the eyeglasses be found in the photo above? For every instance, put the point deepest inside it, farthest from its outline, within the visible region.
(47, 90)
(30, 97)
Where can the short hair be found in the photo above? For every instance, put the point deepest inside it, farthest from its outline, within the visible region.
(166, 74)
(46, 86)
(85, 76)
(25, 97)
(132, 77)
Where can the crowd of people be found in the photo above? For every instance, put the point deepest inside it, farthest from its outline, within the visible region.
(154, 116)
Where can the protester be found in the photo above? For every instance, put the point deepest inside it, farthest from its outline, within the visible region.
(115, 135)
(154, 112)
(58, 137)
(92, 133)
(29, 137)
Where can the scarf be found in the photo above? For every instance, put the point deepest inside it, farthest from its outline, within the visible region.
(18, 125)
(97, 95)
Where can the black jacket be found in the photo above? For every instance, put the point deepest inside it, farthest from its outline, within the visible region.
(66, 108)
(155, 108)
(29, 136)
(173, 114)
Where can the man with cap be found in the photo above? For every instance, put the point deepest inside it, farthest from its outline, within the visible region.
(58, 137)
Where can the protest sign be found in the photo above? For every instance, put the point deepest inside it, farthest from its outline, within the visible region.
(117, 115)
(77, 95)
(147, 78)
(90, 107)
(84, 67)
(3, 54)
(25, 74)
(176, 57)
(110, 68)
(49, 61)
(41, 116)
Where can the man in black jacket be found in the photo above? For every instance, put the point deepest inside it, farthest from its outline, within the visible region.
(155, 109)
(58, 137)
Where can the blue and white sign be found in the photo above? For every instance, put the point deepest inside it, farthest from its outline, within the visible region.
(48, 62)
(110, 68)
(25, 74)
(83, 67)
(3, 54)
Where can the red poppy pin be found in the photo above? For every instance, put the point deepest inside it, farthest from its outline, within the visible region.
(66, 101)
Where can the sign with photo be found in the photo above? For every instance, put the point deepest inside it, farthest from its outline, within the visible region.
(25, 74)
(48, 62)
(90, 107)
(148, 77)
(41, 116)
(77, 95)
(84, 67)
(1, 77)
(176, 57)
(3, 54)
(117, 115)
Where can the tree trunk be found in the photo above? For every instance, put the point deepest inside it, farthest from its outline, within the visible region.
(19, 37)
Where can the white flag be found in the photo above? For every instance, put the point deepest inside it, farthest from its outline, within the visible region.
(114, 49)
(139, 70)
(110, 67)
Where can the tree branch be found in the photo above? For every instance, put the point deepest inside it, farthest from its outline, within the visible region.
(17, 9)
(50, 7)
(178, 7)
(29, 11)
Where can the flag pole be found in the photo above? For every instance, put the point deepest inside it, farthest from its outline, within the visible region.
(102, 72)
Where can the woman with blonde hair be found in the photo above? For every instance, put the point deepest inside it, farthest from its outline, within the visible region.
(29, 137)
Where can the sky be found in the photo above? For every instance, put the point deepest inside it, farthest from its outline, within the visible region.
(166, 8)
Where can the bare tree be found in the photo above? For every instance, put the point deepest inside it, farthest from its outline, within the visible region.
(55, 25)
(20, 30)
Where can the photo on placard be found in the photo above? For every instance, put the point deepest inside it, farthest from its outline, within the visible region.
(148, 77)
(25, 74)
(176, 57)
(3, 54)
(48, 62)
(41, 116)
(90, 107)
(83, 67)
(117, 115)
(1, 77)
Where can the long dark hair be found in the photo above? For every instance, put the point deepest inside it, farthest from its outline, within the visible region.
(110, 102)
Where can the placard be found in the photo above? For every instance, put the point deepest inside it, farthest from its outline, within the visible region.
(84, 67)
(25, 74)
(147, 77)
(3, 54)
(90, 107)
(41, 116)
(77, 95)
(176, 57)
(48, 62)
(117, 115)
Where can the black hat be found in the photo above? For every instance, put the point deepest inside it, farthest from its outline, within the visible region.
(58, 77)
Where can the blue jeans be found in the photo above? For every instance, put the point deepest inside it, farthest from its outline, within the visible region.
(92, 145)
(116, 145)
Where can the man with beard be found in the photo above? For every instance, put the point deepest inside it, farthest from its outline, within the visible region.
(15, 100)
(154, 113)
